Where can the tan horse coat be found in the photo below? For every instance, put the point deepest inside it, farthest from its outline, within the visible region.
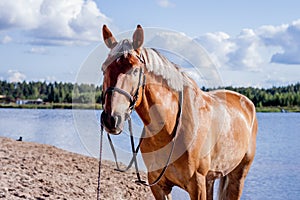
(216, 137)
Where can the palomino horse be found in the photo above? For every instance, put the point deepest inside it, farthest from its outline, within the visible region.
(215, 131)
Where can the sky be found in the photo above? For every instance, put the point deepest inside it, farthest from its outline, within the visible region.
(252, 43)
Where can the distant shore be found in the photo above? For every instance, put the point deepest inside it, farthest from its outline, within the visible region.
(36, 171)
(278, 109)
(53, 106)
(99, 107)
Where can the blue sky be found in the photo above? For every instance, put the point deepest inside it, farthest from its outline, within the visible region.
(252, 43)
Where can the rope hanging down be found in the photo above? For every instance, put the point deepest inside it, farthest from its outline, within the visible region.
(100, 163)
(136, 149)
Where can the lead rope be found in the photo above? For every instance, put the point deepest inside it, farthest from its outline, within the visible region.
(100, 163)
(175, 130)
(135, 150)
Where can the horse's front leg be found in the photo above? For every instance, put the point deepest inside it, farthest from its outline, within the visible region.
(160, 194)
(210, 189)
(197, 187)
(161, 191)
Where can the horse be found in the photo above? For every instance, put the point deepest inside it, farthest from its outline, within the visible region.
(214, 132)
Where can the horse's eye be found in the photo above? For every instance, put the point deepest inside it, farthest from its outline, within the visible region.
(135, 71)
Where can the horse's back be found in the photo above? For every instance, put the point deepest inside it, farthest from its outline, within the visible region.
(236, 102)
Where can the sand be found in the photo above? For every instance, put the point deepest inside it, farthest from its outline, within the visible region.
(37, 171)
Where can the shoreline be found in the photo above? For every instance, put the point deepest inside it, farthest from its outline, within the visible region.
(97, 106)
(270, 109)
(63, 106)
(37, 171)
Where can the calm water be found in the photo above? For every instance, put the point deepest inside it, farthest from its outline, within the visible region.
(275, 173)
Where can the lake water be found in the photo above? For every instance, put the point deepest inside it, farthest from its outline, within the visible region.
(275, 173)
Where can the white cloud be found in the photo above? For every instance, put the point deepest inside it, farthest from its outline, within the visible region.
(54, 22)
(37, 50)
(243, 52)
(254, 48)
(186, 52)
(49, 79)
(15, 76)
(183, 46)
(218, 45)
(6, 39)
(245, 59)
(165, 3)
(287, 38)
(248, 51)
(19, 14)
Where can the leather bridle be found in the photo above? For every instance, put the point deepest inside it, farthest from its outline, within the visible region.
(132, 98)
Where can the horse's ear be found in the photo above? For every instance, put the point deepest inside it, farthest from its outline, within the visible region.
(108, 37)
(138, 37)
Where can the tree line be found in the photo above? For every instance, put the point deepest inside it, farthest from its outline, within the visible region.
(59, 92)
(56, 92)
(284, 96)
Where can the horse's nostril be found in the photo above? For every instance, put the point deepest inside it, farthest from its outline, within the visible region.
(118, 120)
(103, 116)
(108, 120)
(112, 123)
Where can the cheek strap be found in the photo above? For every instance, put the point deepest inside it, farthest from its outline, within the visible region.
(132, 99)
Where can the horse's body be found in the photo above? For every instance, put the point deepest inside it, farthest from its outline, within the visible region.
(216, 135)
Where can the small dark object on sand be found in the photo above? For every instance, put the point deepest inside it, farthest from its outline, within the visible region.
(20, 139)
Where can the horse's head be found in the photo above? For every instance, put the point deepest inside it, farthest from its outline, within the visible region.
(123, 72)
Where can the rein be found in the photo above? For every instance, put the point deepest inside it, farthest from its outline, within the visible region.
(100, 163)
(135, 150)
(133, 99)
(174, 133)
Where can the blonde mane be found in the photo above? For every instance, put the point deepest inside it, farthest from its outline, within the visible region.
(161, 66)
(155, 63)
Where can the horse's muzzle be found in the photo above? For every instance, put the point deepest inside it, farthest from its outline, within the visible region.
(112, 123)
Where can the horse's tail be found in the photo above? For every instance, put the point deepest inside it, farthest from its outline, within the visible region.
(254, 125)
(252, 131)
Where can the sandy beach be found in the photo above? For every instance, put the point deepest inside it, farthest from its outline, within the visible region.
(36, 171)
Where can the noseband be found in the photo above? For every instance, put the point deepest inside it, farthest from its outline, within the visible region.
(132, 99)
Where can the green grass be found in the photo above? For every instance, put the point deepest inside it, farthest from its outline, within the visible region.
(278, 109)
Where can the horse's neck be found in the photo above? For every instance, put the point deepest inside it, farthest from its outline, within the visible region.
(159, 106)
